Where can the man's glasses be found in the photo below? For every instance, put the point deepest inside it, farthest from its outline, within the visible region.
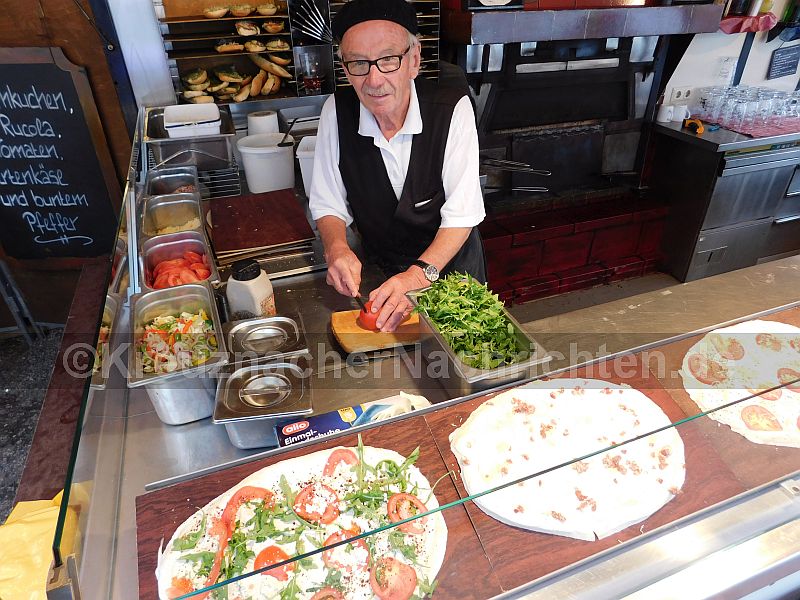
(385, 64)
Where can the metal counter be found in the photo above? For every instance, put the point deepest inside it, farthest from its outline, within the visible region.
(722, 140)
(126, 450)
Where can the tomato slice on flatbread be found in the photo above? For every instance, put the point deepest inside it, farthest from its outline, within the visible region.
(727, 346)
(790, 378)
(272, 555)
(180, 586)
(759, 418)
(403, 506)
(328, 593)
(244, 494)
(340, 455)
(335, 557)
(706, 370)
(770, 341)
(770, 395)
(391, 579)
(317, 503)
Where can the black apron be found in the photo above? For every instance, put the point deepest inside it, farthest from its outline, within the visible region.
(396, 232)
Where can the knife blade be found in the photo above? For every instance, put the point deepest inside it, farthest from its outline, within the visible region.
(360, 302)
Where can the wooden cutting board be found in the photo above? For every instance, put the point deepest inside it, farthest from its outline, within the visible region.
(353, 338)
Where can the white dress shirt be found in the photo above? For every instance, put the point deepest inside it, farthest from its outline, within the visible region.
(463, 206)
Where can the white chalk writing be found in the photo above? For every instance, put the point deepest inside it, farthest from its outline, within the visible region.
(38, 128)
(38, 175)
(32, 99)
(28, 150)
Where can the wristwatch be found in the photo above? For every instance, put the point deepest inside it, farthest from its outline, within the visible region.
(431, 272)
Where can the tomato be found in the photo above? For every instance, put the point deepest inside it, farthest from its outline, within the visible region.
(310, 502)
(366, 318)
(328, 593)
(202, 273)
(759, 418)
(770, 395)
(329, 556)
(727, 347)
(180, 586)
(165, 264)
(403, 506)
(340, 455)
(188, 276)
(790, 378)
(392, 580)
(706, 370)
(795, 343)
(174, 279)
(768, 340)
(198, 266)
(160, 282)
(272, 555)
(221, 531)
(244, 494)
(192, 257)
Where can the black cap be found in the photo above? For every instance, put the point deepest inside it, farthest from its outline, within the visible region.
(245, 270)
(358, 11)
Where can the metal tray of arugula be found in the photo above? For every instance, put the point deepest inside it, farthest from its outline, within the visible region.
(483, 346)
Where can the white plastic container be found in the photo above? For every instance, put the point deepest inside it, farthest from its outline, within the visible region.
(267, 166)
(262, 121)
(249, 291)
(305, 156)
(191, 120)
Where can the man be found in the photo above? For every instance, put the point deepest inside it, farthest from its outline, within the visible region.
(400, 158)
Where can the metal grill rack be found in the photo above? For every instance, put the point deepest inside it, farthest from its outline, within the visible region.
(213, 184)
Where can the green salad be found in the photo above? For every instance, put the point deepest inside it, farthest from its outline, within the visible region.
(472, 321)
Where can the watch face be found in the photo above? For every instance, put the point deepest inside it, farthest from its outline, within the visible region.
(431, 273)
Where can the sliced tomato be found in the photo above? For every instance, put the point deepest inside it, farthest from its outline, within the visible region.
(202, 273)
(403, 506)
(329, 557)
(192, 257)
(795, 343)
(222, 532)
(160, 282)
(272, 555)
(188, 276)
(180, 586)
(328, 593)
(366, 319)
(392, 580)
(244, 494)
(174, 279)
(706, 370)
(770, 341)
(790, 378)
(727, 346)
(759, 418)
(317, 503)
(340, 455)
(198, 266)
(165, 264)
(770, 395)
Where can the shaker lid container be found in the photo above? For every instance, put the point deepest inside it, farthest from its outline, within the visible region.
(257, 391)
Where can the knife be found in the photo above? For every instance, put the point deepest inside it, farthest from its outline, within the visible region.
(361, 302)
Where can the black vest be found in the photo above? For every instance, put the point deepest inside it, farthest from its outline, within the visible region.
(396, 232)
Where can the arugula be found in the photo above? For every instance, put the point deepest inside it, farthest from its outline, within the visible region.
(333, 578)
(236, 555)
(205, 560)
(472, 321)
(303, 563)
(397, 540)
(426, 589)
(291, 591)
(189, 541)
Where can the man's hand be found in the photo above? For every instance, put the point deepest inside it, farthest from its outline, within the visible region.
(390, 299)
(344, 270)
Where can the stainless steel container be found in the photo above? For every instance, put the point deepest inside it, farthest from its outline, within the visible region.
(166, 180)
(264, 339)
(252, 400)
(185, 395)
(171, 246)
(116, 286)
(465, 379)
(206, 152)
(175, 211)
(110, 314)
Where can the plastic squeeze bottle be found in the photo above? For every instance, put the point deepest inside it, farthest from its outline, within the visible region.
(249, 291)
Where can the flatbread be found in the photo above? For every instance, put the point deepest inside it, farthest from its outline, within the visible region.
(300, 472)
(732, 363)
(546, 423)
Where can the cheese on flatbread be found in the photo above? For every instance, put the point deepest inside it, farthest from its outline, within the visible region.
(548, 423)
(767, 355)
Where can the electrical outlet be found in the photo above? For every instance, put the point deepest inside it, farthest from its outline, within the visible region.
(681, 95)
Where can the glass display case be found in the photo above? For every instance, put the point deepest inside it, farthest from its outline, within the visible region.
(645, 458)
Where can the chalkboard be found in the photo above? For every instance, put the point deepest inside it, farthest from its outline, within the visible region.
(784, 62)
(58, 191)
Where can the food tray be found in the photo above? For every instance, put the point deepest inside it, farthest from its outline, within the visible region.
(206, 152)
(191, 120)
(110, 314)
(264, 339)
(466, 379)
(166, 180)
(170, 210)
(170, 246)
(251, 400)
(191, 297)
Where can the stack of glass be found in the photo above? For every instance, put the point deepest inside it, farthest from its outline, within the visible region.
(756, 111)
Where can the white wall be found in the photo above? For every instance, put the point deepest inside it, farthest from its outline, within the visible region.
(702, 64)
(139, 36)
